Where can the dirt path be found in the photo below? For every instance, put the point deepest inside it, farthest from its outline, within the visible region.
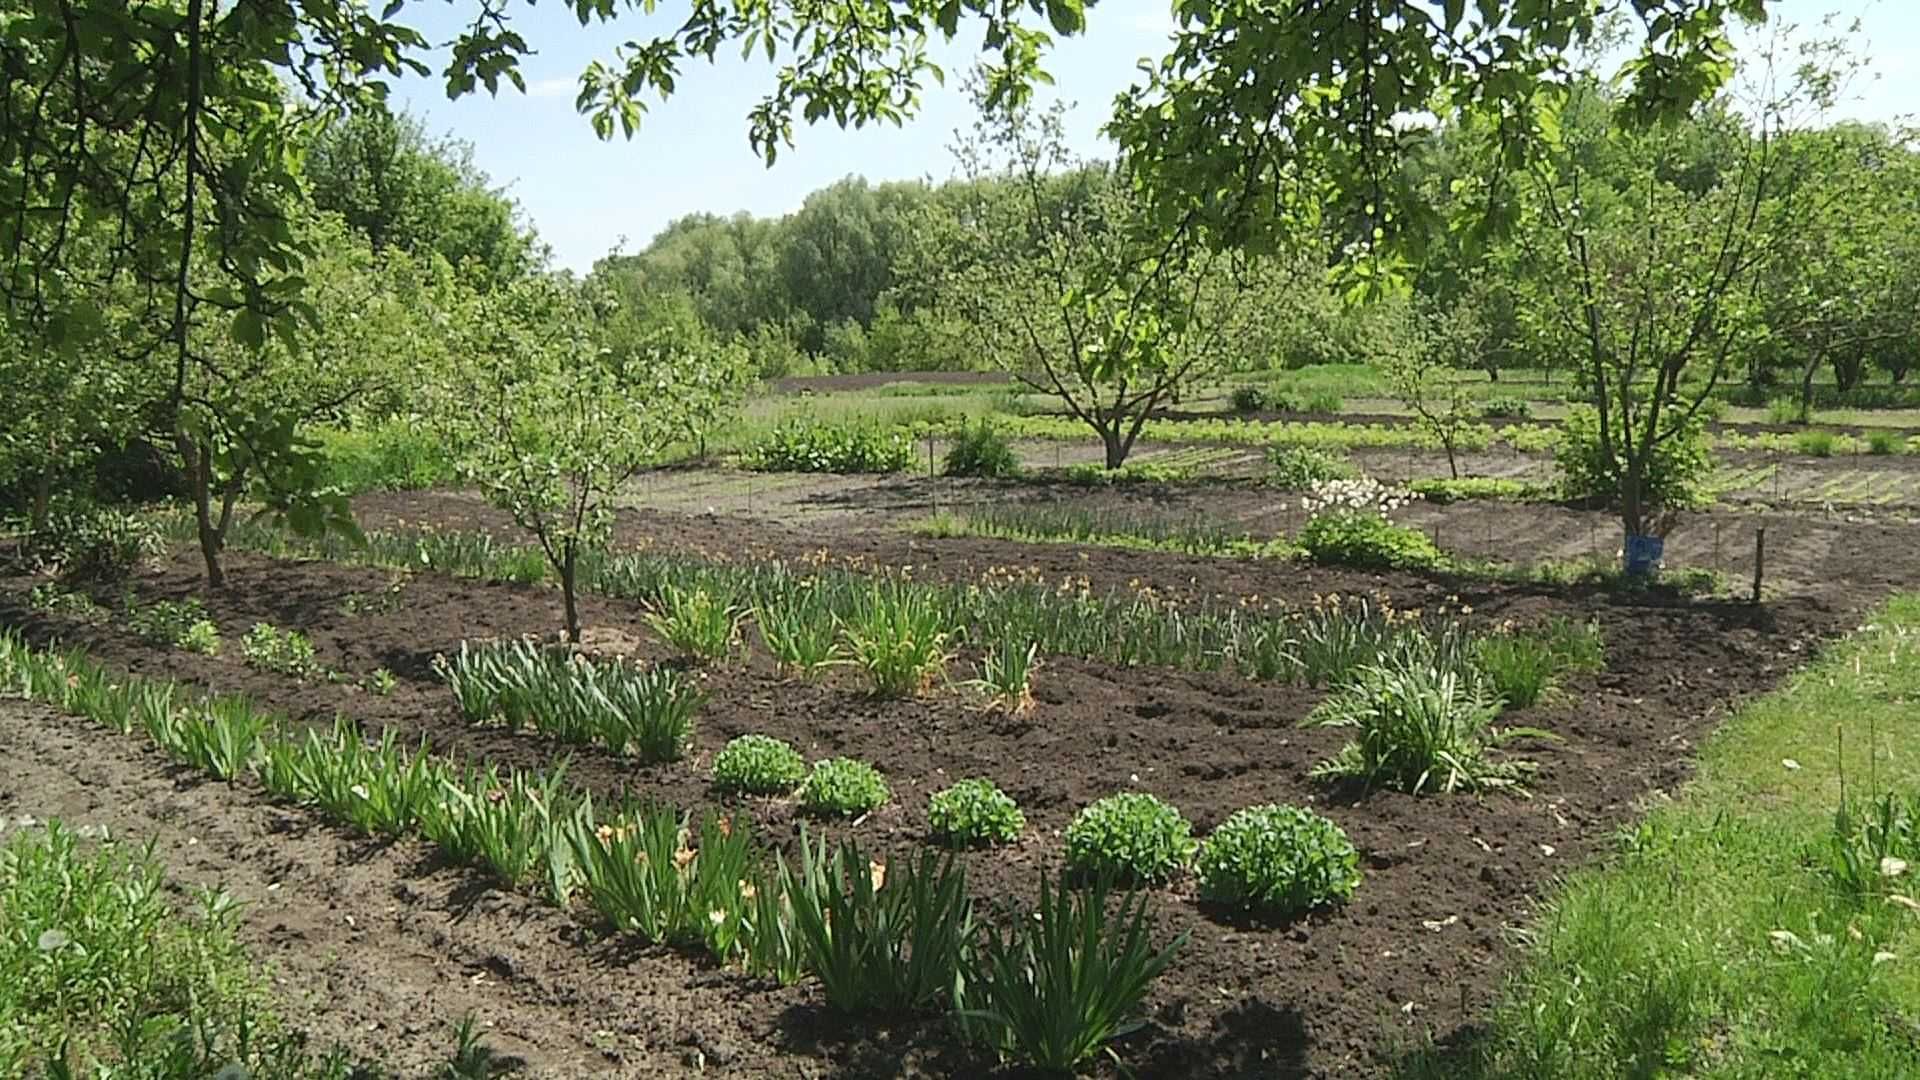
(370, 945)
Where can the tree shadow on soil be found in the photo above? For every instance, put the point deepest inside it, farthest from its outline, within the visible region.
(859, 1047)
(1254, 1039)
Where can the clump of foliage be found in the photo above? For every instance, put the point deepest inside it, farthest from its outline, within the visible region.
(1053, 990)
(974, 812)
(809, 444)
(1875, 848)
(1520, 667)
(1814, 443)
(570, 697)
(179, 624)
(897, 637)
(980, 450)
(758, 765)
(96, 544)
(1323, 401)
(1006, 674)
(799, 630)
(1441, 489)
(843, 787)
(1506, 408)
(1673, 475)
(1133, 835)
(58, 601)
(1257, 399)
(1279, 860)
(1302, 467)
(696, 621)
(283, 652)
(881, 937)
(1420, 725)
(649, 872)
(1349, 538)
(1089, 474)
(1885, 442)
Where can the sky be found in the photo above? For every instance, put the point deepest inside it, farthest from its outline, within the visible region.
(586, 196)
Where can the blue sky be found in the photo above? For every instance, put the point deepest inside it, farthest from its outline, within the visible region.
(691, 153)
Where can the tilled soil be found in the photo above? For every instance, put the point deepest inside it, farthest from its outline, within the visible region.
(1417, 951)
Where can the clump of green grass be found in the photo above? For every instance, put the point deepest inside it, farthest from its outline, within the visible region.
(101, 974)
(570, 697)
(1521, 666)
(897, 637)
(1814, 443)
(1885, 442)
(1420, 726)
(698, 622)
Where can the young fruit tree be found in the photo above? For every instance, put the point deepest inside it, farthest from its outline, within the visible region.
(550, 421)
(1067, 286)
(1651, 278)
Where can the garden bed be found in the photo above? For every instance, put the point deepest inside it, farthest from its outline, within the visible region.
(1448, 878)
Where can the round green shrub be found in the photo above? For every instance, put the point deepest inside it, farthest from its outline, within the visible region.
(975, 812)
(1133, 835)
(1300, 467)
(843, 786)
(1280, 860)
(1367, 540)
(758, 765)
(980, 450)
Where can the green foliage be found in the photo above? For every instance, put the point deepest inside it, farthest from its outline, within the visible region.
(104, 971)
(567, 696)
(974, 812)
(1420, 725)
(1522, 666)
(1506, 408)
(1325, 402)
(92, 544)
(980, 450)
(378, 788)
(180, 624)
(1251, 398)
(219, 737)
(397, 454)
(1441, 489)
(881, 937)
(381, 682)
(698, 623)
(1279, 860)
(647, 872)
(57, 601)
(1053, 990)
(897, 637)
(798, 628)
(1301, 467)
(1365, 539)
(1814, 443)
(1677, 471)
(1006, 674)
(804, 444)
(1875, 846)
(1149, 531)
(283, 652)
(1885, 442)
(1133, 835)
(758, 765)
(843, 787)
(516, 826)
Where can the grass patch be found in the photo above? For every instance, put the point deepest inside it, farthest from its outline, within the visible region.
(1720, 941)
(99, 976)
(1190, 535)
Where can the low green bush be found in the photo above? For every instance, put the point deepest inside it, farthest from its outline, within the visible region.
(1885, 442)
(805, 444)
(1279, 860)
(1094, 474)
(1677, 474)
(758, 765)
(1324, 401)
(843, 787)
(1443, 489)
(974, 812)
(283, 652)
(1368, 540)
(179, 624)
(1133, 836)
(978, 449)
(1301, 467)
(82, 542)
(1814, 443)
(1506, 408)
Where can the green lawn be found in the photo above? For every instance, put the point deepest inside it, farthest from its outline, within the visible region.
(1723, 941)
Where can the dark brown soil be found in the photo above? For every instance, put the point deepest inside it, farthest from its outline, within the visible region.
(1417, 951)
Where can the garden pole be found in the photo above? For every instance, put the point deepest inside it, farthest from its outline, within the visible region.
(1759, 559)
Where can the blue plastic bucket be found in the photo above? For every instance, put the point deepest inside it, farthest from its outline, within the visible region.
(1643, 555)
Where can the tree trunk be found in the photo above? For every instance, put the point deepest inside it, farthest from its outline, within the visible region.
(42, 495)
(1453, 464)
(1116, 446)
(195, 456)
(1806, 390)
(569, 567)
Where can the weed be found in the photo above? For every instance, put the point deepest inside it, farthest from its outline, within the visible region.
(381, 682)
(74, 605)
(283, 652)
(1885, 442)
(179, 624)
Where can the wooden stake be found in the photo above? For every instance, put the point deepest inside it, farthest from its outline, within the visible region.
(1759, 559)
